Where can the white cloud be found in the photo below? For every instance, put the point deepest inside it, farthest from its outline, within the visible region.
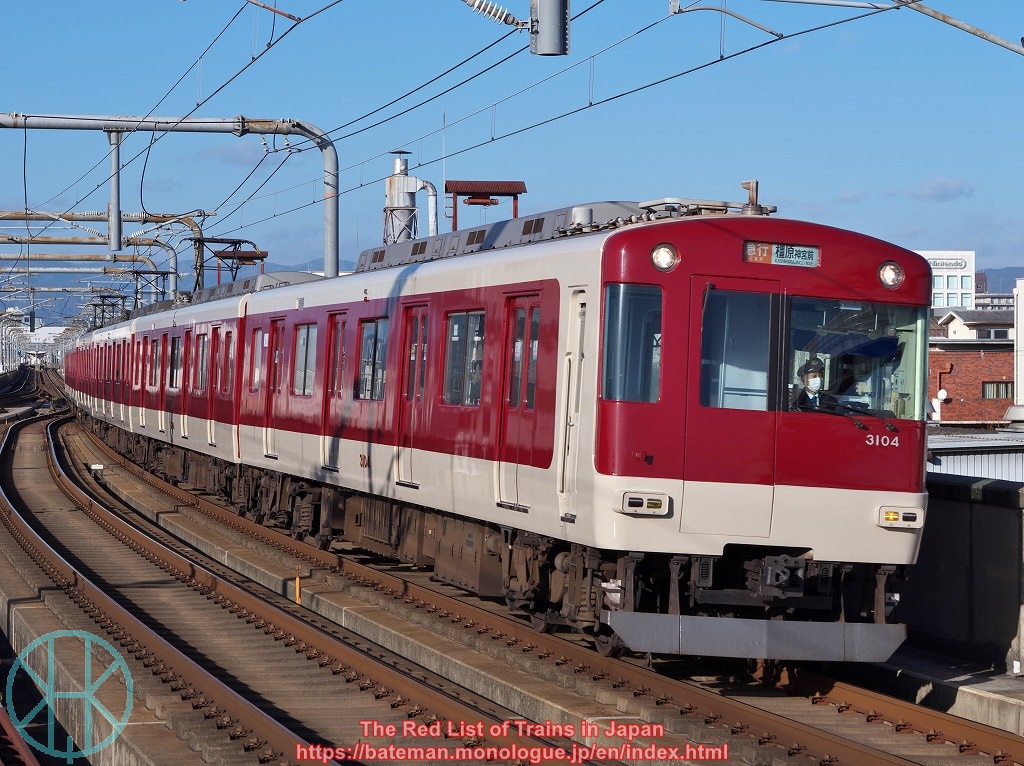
(941, 190)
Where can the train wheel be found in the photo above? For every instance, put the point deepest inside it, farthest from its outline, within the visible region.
(608, 643)
(540, 623)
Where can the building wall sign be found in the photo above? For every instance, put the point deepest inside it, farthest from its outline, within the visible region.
(953, 264)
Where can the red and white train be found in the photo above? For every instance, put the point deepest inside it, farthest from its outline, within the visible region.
(586, 412)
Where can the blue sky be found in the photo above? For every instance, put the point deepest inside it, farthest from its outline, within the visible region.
(894, 124)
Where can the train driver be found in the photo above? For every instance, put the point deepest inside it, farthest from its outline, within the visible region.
(810, 395)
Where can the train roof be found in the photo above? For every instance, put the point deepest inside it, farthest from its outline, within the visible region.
(588, 218)
(252, 284)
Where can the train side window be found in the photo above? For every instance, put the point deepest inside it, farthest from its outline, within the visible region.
(202, 346)
(531, 371)
(336, 364)
(154, 363)
(734, 350)
(632, 343)
(229, 362)
(137, 364)
(463, 358)
(304, 361)
(174, 368)
(373, 357)
(417, 340)
(216, 351)
(515, 379)
(256, 372)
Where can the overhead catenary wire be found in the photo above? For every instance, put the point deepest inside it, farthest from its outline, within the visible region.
(563, 115)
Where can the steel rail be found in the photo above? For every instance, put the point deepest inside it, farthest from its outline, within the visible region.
(969, 736)
(13, 737)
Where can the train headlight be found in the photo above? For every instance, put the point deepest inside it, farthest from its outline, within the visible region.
(890, 274)
(664, 257)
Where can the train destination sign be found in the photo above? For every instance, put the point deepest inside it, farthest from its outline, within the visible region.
(781, 255)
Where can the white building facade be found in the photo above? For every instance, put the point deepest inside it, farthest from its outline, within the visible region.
(952, 278)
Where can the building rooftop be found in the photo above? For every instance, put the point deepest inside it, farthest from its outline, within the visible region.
(978, 316)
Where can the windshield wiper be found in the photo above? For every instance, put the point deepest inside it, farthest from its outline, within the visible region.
(859, 411)
(833, 411)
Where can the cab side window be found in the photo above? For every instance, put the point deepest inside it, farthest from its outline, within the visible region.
(632, 343)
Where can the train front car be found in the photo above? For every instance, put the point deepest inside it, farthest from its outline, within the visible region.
(760, 437)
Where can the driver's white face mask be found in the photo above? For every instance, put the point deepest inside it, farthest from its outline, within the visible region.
(814, 384)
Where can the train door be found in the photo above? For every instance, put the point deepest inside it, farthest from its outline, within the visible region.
(135, 401)
(213, 386)
(732, 411)
(186, 389)
(105, 377)
(412, 404)
(273, 388)
(123, 382)
(161, 382)
(573, 376)
(144, 360)
(516, 429)
(334, 396)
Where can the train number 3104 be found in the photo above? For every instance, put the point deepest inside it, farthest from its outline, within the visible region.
(882, 440)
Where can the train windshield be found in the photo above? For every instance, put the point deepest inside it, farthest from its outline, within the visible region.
(870, 357)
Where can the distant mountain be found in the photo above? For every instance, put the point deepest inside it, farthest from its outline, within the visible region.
(1003, 280)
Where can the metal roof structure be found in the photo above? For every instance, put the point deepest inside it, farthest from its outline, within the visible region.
(985, 454)
(488, 188)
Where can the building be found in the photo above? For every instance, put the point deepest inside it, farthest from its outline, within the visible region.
(985, 301)
(952, 278)
(971, 366)
(967, 324)
(970, 381)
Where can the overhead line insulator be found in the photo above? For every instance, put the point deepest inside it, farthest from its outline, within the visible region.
(495, 12)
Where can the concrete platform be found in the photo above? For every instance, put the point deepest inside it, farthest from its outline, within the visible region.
(972, 691)
(16, 413)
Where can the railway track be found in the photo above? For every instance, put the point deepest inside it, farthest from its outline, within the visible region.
(14, 751)
(804, 719)
(242, 679)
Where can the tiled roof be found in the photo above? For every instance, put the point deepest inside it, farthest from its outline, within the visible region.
(979, 316)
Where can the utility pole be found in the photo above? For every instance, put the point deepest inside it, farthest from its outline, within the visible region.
(548, 24)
